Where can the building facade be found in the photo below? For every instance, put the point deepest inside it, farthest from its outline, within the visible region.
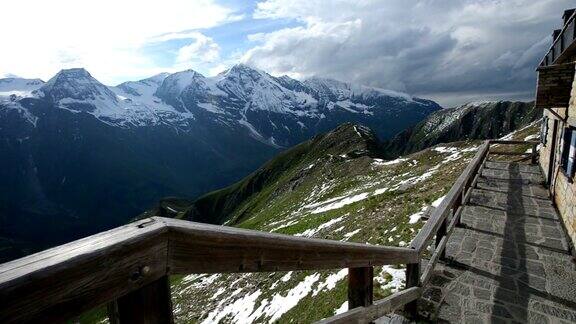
(556, 95)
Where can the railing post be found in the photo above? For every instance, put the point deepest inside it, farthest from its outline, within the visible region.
(360, 287)
(459, 202)
(412, 280)
(534, 155)
(440, 234)
(147, 305)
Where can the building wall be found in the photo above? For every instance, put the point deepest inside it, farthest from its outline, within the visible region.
(564, 192)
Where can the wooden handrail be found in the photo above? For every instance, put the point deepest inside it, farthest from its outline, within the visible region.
(428, 231)
(130, 264)
(380, 308)
(506, 142)
(65, 281)
(203, 248)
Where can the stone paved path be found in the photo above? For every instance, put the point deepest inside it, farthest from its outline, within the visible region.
(510, 260)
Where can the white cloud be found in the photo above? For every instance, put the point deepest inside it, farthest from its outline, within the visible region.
(40, 37)
(203, 49)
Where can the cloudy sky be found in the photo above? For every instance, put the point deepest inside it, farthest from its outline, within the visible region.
(451, 51)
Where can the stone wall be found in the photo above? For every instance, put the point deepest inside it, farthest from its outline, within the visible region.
(564, 192)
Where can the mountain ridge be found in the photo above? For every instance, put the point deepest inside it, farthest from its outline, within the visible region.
(265, 106)
(471, 121)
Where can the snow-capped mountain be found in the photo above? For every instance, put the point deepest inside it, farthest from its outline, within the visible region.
(277, 111)
(18, 87)
(79, 156)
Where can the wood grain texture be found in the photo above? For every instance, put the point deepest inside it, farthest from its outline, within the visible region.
(510, 142)
(380, 308)
(440, 248)
(150, 304)
(60, 283)
(510, 153)
(203, 248)
(412, 281)
(360, 287)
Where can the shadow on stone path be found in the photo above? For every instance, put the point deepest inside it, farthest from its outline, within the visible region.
(514, 239)
(509, 262)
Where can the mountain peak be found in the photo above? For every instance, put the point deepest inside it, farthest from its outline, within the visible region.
(353, 139)
(173, 85)
(158, 78)
(19, 86)
(77, 84)
(243, 69)
(75, 72)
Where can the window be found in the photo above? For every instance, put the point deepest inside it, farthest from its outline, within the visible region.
(544, 130)
(569, 152)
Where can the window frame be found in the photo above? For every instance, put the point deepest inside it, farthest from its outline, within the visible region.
(544, 130)
(568, 155)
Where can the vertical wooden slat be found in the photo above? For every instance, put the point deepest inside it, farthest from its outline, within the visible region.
(412, 280)
(440, 235)
(148, 305)
(360, 287)
(112, 309)
(534, 147)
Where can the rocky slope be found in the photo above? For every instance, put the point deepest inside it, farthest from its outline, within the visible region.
(335, 186)
(481, 120)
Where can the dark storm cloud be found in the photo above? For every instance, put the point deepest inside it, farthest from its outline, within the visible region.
(452, 51)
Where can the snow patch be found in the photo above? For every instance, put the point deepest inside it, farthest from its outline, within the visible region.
(311, 232)
(392, 162)
(331, 281)
(438, 201)
(347, 236)
(341, 203)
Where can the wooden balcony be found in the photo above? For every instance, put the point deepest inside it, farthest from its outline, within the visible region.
(127, 268)
(563, 47)
(556, 70)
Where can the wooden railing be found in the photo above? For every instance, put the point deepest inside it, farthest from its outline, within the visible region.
(127, 268)
(564, 44)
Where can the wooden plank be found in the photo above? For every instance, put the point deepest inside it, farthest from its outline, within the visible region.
(353, 316)
(471, 188)
(150, 304)
(440, 234)
(380, 308)
(360, 287)
(510, 142)
(203, 248)
(112, 311)
(440, 248)
(103, 267)
(509, 153)
(63, 282)
(412, 280)
(422, 239)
